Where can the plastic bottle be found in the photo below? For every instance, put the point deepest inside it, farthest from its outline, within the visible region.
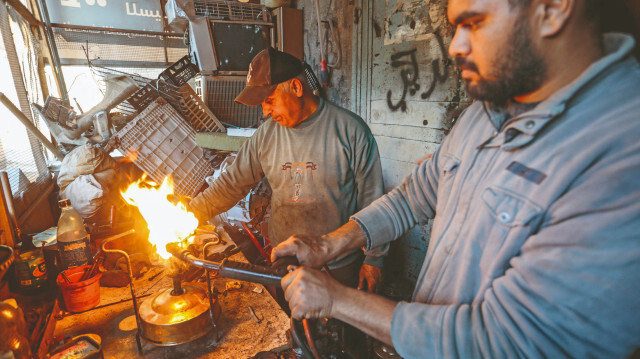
(73, 240)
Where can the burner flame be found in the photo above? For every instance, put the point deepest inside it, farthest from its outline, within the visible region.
(167, 221)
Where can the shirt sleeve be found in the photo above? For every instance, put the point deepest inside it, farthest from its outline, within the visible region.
(233, 184)
(370, 186)
(411, 203)
(572, 291)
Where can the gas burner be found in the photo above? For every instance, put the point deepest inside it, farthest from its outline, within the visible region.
(175, 315)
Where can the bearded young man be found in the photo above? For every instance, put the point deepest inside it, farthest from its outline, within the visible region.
(321, 162)
(535, 197)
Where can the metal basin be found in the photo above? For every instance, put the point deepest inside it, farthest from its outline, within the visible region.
(176, 319)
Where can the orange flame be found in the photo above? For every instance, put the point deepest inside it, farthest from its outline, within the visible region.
(167, 222)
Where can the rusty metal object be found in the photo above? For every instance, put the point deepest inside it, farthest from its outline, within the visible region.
(170, 319)
(254, 315)
(6, 258)
(14, 329)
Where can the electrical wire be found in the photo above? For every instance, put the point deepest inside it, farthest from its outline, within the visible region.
(320, 30)
(310, 341)
(307, 329)
(335, 42)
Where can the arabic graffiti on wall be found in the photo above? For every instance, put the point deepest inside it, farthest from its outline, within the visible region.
(143, 15)
(407, 62)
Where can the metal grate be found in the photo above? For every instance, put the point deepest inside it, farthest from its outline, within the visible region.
(232, 10)
(183, 99)
(198, 114)
(218, 92)
(114, 48)
(22, 155)
(102, 72)
(161, 143)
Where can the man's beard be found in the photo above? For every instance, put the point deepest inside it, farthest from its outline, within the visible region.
(519, 69)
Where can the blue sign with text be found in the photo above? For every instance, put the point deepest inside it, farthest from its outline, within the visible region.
(145, 15)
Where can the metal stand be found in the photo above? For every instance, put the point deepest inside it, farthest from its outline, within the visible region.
(133, 294)
(209, 289)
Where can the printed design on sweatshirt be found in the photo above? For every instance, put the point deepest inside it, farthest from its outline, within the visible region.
(296, 172)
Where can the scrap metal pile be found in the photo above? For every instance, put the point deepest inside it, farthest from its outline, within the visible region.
(158, 133)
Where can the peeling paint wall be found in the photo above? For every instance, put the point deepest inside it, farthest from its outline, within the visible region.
(337, 43)
(396, 73)
(415, 93)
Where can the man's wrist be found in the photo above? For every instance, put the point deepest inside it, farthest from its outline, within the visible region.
(345, 239)
(341, 298)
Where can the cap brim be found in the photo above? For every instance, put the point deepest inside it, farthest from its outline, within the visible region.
(255, 95)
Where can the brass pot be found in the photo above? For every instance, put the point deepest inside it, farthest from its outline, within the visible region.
(169, 319)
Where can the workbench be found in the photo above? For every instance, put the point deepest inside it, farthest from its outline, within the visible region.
(239, 333)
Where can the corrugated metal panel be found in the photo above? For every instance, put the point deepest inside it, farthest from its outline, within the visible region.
(218, 92)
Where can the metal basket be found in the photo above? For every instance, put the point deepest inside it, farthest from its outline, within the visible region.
(161, 143)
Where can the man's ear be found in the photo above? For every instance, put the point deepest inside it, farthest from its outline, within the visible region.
(296, 87)
(553, 15)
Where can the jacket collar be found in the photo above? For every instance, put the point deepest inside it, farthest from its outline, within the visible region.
(527, 125)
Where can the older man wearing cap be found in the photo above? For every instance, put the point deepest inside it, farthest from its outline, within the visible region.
(320, 160)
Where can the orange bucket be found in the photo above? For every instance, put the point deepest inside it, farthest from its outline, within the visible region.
(79, 296)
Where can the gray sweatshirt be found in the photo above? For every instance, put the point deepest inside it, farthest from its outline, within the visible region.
(321, 172)
(535, 246)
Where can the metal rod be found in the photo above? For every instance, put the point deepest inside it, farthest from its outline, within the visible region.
(69, 314)
(209, 290)
(93, 28)
(30, 126)
(175, 250)
(177, 286)
(231, 269)
(133, 294)
(8, 200)
(62, 87)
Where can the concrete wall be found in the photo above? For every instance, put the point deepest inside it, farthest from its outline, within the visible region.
(396, 73)
(337, 44)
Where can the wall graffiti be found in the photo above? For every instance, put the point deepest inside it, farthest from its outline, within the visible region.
(407, 62)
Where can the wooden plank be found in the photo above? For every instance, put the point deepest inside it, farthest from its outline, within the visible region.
(24, 12)
(6, 234)
(219, 141)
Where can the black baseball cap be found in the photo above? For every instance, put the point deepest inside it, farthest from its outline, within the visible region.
(269, 68)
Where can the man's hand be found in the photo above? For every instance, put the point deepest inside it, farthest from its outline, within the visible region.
(370, 275)
(311, 251)
(310, 293)
(313, 294)
(314, 251)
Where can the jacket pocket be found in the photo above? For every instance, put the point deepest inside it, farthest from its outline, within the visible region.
(508, 218)
(509, 209)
